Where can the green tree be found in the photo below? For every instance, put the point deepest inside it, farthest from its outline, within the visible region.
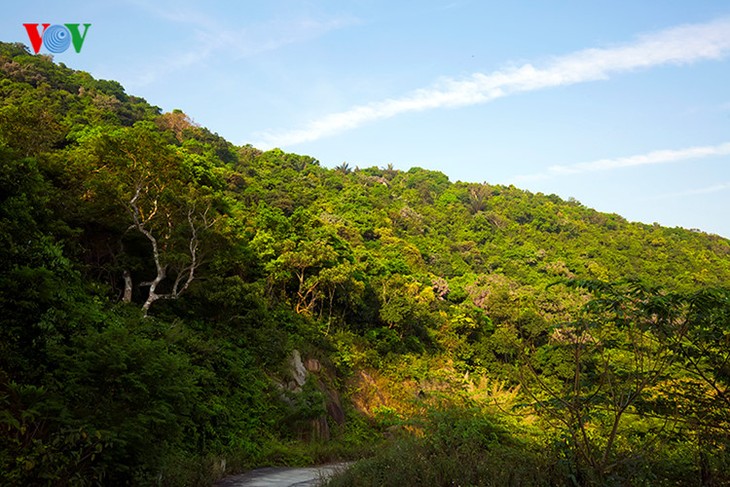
(593, 372)
(135, 171)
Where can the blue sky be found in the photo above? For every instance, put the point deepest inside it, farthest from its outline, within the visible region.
(623, 105)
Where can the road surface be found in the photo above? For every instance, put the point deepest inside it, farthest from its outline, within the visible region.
(283, 476)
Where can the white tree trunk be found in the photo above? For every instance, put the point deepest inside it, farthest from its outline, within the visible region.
(127, 296)
(185, 275)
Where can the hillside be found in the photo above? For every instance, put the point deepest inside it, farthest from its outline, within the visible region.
(156, 281)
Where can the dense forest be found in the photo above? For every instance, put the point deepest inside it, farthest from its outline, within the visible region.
(175, 308)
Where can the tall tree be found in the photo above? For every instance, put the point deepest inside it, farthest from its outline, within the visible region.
(591, 373)
(142, 174)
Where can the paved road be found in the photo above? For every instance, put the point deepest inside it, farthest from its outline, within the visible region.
(284, 477)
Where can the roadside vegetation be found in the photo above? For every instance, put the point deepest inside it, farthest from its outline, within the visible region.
(175, 308)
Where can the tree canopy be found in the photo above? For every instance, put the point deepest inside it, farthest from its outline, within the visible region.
(155, 280)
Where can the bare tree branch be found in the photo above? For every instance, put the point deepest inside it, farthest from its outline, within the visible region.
(185, 275)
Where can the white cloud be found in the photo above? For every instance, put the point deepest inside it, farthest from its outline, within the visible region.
(678, 45)
(654, 157)
(715, 188)
(271, 35)
(209, 35)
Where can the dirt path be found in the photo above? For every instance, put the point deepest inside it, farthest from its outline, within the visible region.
(284, 477)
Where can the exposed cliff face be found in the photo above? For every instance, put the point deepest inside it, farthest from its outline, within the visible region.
(312, 384)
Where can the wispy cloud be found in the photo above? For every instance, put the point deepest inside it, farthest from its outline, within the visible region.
(238, 44)
(209, 36)
(715, 188)
(271, 35)
(176, 12)
(654, 157)
(678, 45)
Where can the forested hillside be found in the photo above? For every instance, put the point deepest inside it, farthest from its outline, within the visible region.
(156, 281)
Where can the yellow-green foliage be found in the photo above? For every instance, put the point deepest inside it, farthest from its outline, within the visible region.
(155, 278)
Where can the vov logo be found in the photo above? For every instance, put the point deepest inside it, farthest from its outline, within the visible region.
(56, 38)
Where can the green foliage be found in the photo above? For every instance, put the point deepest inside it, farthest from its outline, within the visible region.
(626, 375)
(111, 210)
(461, 446)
